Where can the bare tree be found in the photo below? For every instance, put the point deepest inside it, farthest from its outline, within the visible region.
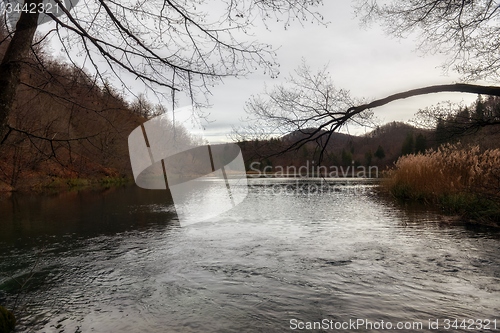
(310, 103)
(170, 46)
(10, 67)
(468, 31)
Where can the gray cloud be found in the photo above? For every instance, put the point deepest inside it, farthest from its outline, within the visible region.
(364, 60)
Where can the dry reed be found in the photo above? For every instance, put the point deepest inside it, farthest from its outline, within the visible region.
(451, 171)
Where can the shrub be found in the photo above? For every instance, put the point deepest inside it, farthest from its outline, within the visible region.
(462, 179)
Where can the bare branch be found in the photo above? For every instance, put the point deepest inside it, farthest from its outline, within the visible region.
(312, 105)
(467, 31)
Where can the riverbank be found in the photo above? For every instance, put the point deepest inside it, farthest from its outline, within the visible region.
(461, 181)
(57, 184)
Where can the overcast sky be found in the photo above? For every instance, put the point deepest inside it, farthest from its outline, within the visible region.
(365, 61)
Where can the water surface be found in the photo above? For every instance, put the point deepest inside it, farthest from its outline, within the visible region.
(118, 260)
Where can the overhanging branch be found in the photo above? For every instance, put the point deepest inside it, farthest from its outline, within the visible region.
(338, 121)
(457, 87)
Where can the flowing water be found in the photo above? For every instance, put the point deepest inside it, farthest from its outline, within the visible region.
(117, 260)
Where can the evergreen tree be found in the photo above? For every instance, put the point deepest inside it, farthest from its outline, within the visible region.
(463, 116)
(305, 153)
(420, 144)
(441, 131)
(380, 153)
(480, 108)
(346, 157)
(368, 158)
(333, 159)
(408, 145)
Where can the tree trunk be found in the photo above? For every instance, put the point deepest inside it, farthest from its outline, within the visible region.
(10, 67)
(457, 87)
(338, 121)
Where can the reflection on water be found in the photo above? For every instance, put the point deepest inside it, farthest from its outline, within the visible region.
(31, 219)
(118, 260)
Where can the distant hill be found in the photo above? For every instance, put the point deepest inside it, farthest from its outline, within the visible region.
(336, 140)
(380, 147)
(342, 149)
(391, 137)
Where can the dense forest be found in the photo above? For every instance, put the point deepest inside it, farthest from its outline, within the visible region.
(380, 147)
(475, 124)
(66, 129)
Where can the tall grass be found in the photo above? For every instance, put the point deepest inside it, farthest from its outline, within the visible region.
(461, 179)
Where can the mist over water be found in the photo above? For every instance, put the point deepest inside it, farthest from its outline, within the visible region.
(118, 260)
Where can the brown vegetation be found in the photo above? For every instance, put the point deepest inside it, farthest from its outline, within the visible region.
(65, 127)
(463, 174)
(450, 169)
(464, 180)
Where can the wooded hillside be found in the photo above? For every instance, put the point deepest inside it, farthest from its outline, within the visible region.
(64, 127)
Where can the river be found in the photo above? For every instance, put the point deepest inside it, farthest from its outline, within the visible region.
(118, 260)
